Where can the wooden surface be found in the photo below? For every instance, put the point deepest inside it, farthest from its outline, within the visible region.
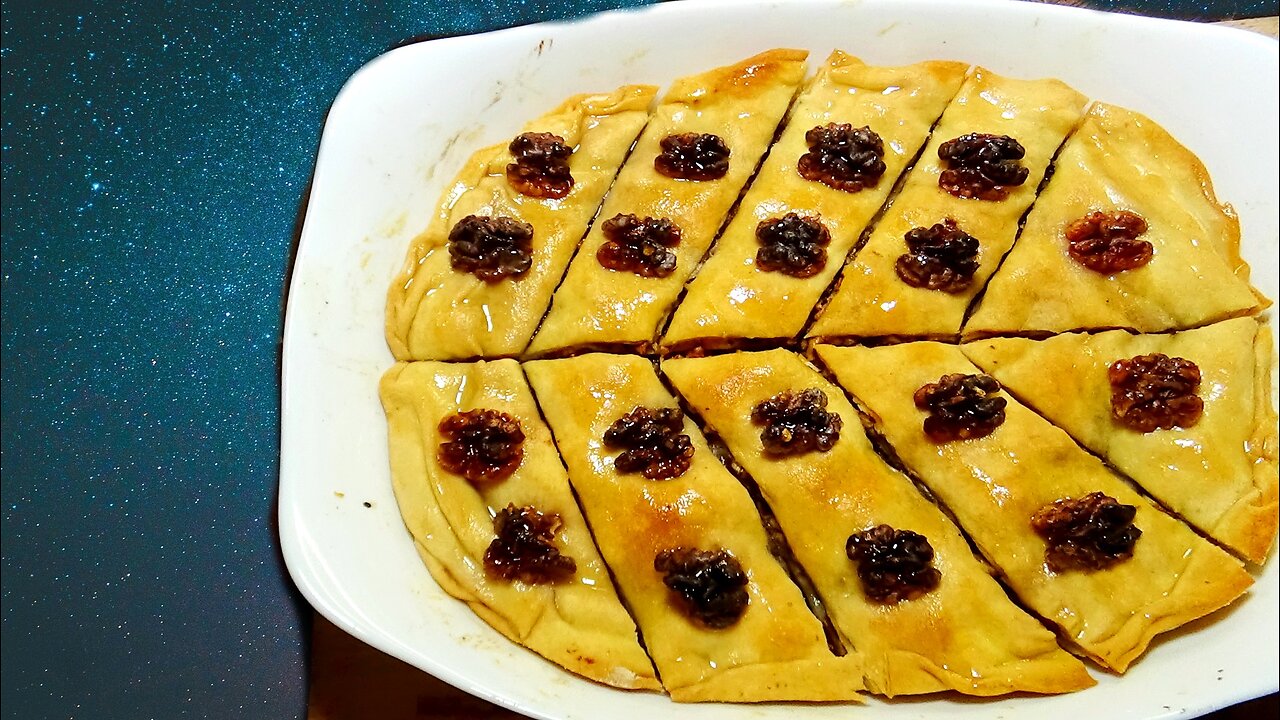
(1264, 25)
(352, 681)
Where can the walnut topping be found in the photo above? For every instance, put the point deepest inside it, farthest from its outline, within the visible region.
(843, 158)
(1088, 533)
(796, 423)
(693, 156)
(711, 584)
(982, 166)
(961, 407)
(942, 257)
(525, 547)
(893, 565)
(541, 168)
(481, 445)
(1108, 242)
(1151, 392)
(792, 245)
(639, 246)
(491, 248)
(651, 443)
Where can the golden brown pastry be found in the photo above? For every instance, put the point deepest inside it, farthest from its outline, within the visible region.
(569, 615)
(1180, 267)
(612, 209)
(757, 640)
(922, 287)
(1218, 472)
(436, 311)
(733, 295)
(741, 105)
(1079, 563)
(964, 634)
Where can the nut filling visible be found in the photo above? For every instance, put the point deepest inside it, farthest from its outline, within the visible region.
(981, 166)
(491, 248)
(1108, 242)
(792, 245)
(893, 565)
(640, 246)
(481, 445)
(541, 169)
(1151, 392)
(651, 443)
(843, 158)
(1088, 533)
(961, 407)
(942, 257)
(711, 584)
(692, 156)
(525, 547)
(796, 423)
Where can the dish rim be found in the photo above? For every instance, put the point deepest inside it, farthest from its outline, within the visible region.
(295, 554)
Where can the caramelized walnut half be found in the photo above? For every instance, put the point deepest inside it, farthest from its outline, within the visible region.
(541, 168)
(982, 166)
(1088, 533)
(893, 565)
(525, 547)
(843, 158)
(481, 445)
(692, 156)
(1151, 392)
(711, 584)
(652, 443)
(639, 246)
(796, 423)
(792, 245)
(1108, 242)
(942, 257)
(961, 407)
(491, 248)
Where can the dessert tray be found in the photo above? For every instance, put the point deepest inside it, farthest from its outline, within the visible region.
(760, 283)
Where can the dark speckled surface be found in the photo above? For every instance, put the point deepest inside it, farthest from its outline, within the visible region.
(154, 158)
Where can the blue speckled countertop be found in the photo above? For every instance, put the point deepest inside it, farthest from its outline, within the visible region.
(155, 156)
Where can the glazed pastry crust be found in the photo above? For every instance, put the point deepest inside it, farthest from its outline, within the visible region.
(437, 313)
(730, 297)
(994, 484)
(965, 635)
(871, 300)
(743, 104)
(1219, 474)
(776, 650)
(579, 623)
(1121, 160)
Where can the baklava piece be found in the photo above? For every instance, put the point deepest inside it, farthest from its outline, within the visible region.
(1187, 415)
(719, 615)
(685, 173)
(849, 136)
(895, 575)
(1071, 538)
(1127, 234)
(957, 213)
(482, 491)
(477, 281)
